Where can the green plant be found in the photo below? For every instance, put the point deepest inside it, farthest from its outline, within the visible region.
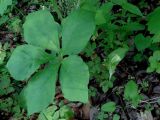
(116, 117)
(5, 83)
(154, 62)
(42, 33)
(15, 25)
(3, 52)
(153, 27)
(114, 58)
(9, 101)
(3, 5)
(3, 19)
(66, 6)
(142, 42)
(139, 57)
(102, 115)
(108, 107)
(92, 91)
(154, 24)
(144, 85)
(53, 113)
(131, 93)
(128, 6)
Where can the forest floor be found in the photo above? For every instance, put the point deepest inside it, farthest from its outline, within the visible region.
(132, 67)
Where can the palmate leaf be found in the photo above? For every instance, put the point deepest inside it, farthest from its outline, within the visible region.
(25, 60)
(40, 29)
(40, 91)
(77, 29)
(41, 32)
(4, 4)
(74, 79)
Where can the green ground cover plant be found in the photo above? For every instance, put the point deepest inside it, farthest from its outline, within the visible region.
(80, 59)
(47, 37)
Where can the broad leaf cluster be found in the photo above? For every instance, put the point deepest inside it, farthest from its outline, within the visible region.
(42, 34)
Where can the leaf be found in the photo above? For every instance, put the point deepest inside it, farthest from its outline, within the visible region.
(131, 92)
(154, 24)
(108, 107)
(141, 42)
(132, 8)
(133, 26)
(119, 2)
(74, 79)
(116, 117)
(153, 21)
(77, 29)
(3, 5)
(48, 113)
(156, 38)
(56, 9)
(40, 91)
(66, 112)
(114, 58)
(100, 17)
(103, 14)
(89, 5)
(2, 56)
(154, 62)
(41, 30)
(3, 19)
(25, 60)
(128, 6)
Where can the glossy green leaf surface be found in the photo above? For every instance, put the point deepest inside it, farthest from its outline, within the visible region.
(25, 60)
(40, 91)
(40, 29)
(77, 29)
(74, 79)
